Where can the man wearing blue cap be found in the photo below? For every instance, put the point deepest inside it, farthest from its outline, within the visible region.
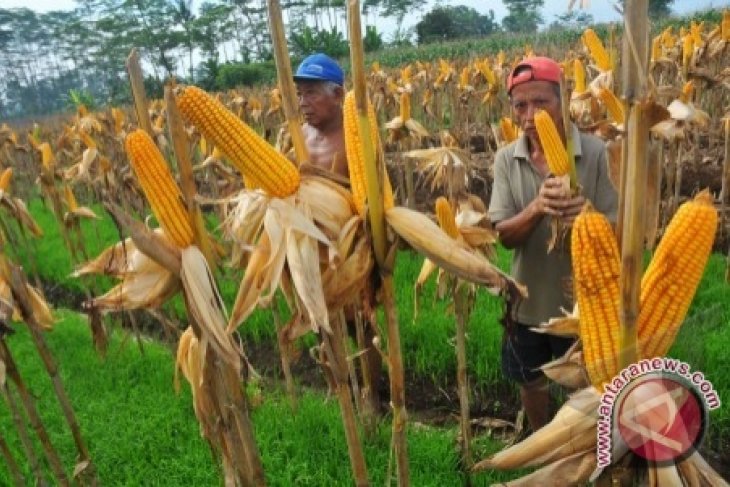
(320, 81)
(320, 87)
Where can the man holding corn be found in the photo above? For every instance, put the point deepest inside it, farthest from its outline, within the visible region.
(525, 197)
(320, 89)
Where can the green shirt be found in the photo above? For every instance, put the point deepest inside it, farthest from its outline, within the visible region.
(516, 184)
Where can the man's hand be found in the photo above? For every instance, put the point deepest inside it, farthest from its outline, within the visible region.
(554, 199)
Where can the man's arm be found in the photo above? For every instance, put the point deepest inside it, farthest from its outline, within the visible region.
(550, 200)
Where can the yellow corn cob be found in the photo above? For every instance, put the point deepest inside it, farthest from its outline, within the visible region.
(5, 178)
(687, 50)
(670, 281)
(70, 198)
(356, 155)
(47, 158)
(656, 48)
(105, 164)
(695, 31)
(725, 25)
(687, 91)
(445, 217)
(598, 52)
(552, 146)
(159, 187)
(87, 139)
(508, 128)
(427, 97)
(464, 78)
(579, 74)
(614, 106)
(118, 117)
(405, 106)
(254, 157)
(596, 281)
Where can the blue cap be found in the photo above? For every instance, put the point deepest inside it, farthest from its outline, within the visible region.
(320, 67)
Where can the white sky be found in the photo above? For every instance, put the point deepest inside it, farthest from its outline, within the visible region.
(602, 10)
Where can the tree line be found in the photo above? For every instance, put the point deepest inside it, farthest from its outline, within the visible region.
(52, 61)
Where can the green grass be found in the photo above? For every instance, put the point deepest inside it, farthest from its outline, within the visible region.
(139, 432)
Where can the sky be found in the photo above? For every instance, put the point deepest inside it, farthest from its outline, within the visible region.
(601, 10)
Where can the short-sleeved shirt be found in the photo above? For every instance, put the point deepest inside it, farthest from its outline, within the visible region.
(516, 184)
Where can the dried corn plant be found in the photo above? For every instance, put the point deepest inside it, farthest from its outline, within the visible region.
(19, 301)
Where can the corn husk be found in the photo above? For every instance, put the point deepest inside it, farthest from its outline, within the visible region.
(571, 427)
(429, 240)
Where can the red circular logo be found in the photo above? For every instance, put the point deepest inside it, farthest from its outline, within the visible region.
(660, 418)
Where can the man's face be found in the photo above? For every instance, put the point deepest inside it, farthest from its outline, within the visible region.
(531, 96)
(319, 105)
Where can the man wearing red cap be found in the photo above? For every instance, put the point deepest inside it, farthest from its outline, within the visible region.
(319, 80)
(524, 198)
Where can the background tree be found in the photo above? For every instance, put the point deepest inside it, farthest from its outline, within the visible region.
(454, 22)
(573, 20)
(657, 8)
(398, 9)
(523, 16)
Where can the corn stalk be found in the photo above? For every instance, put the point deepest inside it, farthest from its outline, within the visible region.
(22, 431)
(136, 80)
(725, 194)
(286, 81)
(35, 419)
(18, 284)
(461, 294)
(374, 181)
(337, 357)
(10, 462)
(634, 174)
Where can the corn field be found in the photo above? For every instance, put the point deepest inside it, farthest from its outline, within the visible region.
(201, 185)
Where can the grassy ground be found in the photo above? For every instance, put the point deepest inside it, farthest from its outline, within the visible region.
(139, 432)
(120, 397)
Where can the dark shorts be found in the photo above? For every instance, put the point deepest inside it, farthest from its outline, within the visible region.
(524, 351)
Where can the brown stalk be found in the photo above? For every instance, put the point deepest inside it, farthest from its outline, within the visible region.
(32, 412)
(337, 359)
(367, 410)
(136, 80)
(286, 80)
(678, 179)
(18, 284)
(10, 462)
(228, 427)
(636, 62)
(22, 431)
(726, 187)
(461, 310)
(284, 355)
(409, 174)
(374, 182)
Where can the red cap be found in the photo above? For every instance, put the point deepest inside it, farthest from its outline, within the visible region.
(534, 69)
